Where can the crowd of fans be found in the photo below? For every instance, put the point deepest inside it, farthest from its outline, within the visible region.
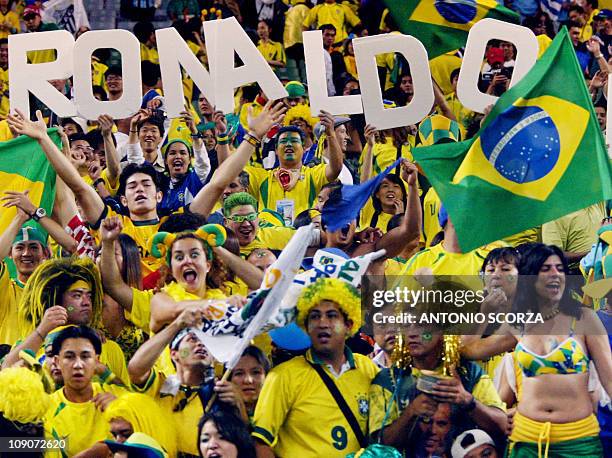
(158, 224)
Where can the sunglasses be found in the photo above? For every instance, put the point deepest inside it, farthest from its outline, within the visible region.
(242, 218)
(289, 141)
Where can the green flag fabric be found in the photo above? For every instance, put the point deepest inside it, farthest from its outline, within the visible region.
(24, 166)
(443, 25)
(540, 155)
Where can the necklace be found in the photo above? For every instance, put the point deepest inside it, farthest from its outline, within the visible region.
(554, 312)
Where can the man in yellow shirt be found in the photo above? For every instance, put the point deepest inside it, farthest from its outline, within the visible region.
(291, 188)
(4, 79)
(183, 396)
(28, 248)
(145, 32)
(294, 393)
(9, 20)
(75, 414)
(340, 16)
(273, 52)
(34, 23)
(240, 211)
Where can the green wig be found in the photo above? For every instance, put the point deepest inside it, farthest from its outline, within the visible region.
(237, 199)
(49, 282)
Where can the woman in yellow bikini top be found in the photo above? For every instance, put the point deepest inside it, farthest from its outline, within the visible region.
(554, 414)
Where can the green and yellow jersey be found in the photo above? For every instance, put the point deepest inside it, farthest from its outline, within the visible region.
(272, 238)
(81, 424)
(9, 316)
(294, 394)
(265, 187)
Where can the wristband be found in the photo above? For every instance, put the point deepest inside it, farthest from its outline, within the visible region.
(599, 56)
(97, 182)
(254, 141)
(107, 376)
(223, 142)
(39, 334)
(198, 135)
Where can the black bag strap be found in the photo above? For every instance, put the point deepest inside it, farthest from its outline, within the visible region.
(346, 410)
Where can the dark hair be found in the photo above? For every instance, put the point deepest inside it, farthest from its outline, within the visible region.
(155, 120)
(573, 25)
(3, 41)
(113, 70)
(294, 129)
(180, 222)
(64, 121)
(94, 137)
(78, 136)
(99, 90)
(454, 73)
(150, 73)
(231, 242)
(132, 169)
(579, 9)
(76, 332)
(325, 27)
(244, 179)
(250, 92)
(395, 221)
(131, 271)
(258, 355)
(143, 31)
(507, 254)
(268, 22)
(392, 177)
(529, 268)
(232, 428)
(303, 219)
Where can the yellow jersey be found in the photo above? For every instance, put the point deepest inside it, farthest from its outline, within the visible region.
(271, 50)
(339, 15)
(80, 423)
(141, 232)
(265, 187)
(294, 394)
(9, 317)
(13, 20)
(149, 54)
(441, 69)
(272, 238)
(378, 220)
(183, 408)
(442, 262)
(4, 94)
(431, 207)
(140, 315)
(294, 18)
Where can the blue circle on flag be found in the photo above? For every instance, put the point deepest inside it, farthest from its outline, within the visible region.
(459, 12)
(522, 143)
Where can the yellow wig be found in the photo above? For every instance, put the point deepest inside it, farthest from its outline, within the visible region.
(146, 417)
(22, 398)
(300, 111)
(47, 284)
(331, 289)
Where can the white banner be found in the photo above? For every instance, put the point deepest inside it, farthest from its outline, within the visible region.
(67, 14)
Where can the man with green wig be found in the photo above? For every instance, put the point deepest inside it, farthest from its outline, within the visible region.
(296, 392)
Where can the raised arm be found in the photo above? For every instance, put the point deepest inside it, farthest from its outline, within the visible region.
(7, 237)
(201, 161)
(223, 141)
(57, 232)
(396, 239)
(370, 135)
(205, 200)
(111, 277)
(145, 357)
(334, 166)
(113, 169)
(250, 274)
(87, 197)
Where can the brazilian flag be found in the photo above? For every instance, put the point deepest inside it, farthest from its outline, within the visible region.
(540, 155)
(443, 25)
(24, 166)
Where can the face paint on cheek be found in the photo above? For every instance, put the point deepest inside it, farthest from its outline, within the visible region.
(70, 308)
(426, 336)
(338, 328)
(184, 353)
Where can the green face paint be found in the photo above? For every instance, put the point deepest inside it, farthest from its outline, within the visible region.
(338, 328)
(426, 336)
(184, 353)
(70, 308)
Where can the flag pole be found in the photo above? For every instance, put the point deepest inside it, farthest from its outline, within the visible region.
(213, 398)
